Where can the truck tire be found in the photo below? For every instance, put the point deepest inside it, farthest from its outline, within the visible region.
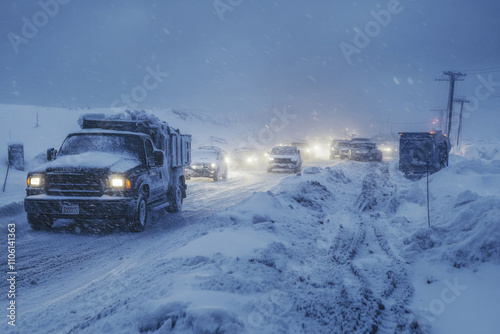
(176, 197)
(40, 222)
(217, 176)
(138, 220)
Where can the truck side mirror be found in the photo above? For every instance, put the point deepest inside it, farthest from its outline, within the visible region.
(158, 158)
(51, 154)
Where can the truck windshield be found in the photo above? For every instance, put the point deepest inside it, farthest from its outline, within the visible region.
(128, 145)
(203, 155)
(284, 150)
(370, 146)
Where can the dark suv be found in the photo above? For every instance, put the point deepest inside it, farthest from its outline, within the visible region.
(365, 151)
(208, 161)
(339, 148)
(284, 158)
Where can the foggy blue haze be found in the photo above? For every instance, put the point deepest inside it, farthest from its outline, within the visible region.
(256, 56)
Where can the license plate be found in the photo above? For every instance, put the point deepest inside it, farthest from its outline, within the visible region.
(70, 209)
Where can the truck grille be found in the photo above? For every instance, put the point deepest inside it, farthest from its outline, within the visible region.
(282, 160)
(74, 184)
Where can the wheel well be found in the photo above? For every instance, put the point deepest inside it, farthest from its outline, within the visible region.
(145, 190)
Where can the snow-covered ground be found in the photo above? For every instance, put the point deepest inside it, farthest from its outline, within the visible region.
(343, 248)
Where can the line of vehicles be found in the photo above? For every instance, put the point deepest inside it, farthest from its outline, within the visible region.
(213, 162)
(119, 167)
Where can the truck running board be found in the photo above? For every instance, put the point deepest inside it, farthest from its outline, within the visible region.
(160, 206)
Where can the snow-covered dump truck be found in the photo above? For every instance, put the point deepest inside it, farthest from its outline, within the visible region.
(422, 152)
(116, 167)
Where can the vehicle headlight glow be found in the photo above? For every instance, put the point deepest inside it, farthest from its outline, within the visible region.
(213, 165)
(35, 181)
(119, 182)
(270, 159)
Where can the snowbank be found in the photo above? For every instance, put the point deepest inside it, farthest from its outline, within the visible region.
(346, 249)
(479, 149)
(465, 227)
(287, 262)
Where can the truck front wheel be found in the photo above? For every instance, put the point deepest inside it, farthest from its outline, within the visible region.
(137, 221)
(40, 222)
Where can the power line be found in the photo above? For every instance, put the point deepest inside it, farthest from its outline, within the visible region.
(483, 70)
(402, 122)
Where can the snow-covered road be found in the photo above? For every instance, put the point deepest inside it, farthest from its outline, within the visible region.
(80, 263)
(330, 251)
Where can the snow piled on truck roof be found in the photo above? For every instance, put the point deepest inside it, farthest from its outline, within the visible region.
(127, 115)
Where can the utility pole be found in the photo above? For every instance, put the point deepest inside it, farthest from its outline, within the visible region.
(461, 101)
(453, 77)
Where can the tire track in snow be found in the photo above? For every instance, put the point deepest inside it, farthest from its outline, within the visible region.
(369, 267)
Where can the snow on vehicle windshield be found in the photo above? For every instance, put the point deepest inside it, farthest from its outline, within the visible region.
(203, 155)
(244, 151)
(370, 146)
(284, 150)
(342, 144)
(104, 143)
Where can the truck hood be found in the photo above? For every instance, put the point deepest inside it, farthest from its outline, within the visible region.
(114, 163)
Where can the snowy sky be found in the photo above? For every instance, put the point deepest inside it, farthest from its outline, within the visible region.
(250, 56)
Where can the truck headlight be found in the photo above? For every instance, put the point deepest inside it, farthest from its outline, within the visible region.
(35, 181)
(213, 165)
(119, 182)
